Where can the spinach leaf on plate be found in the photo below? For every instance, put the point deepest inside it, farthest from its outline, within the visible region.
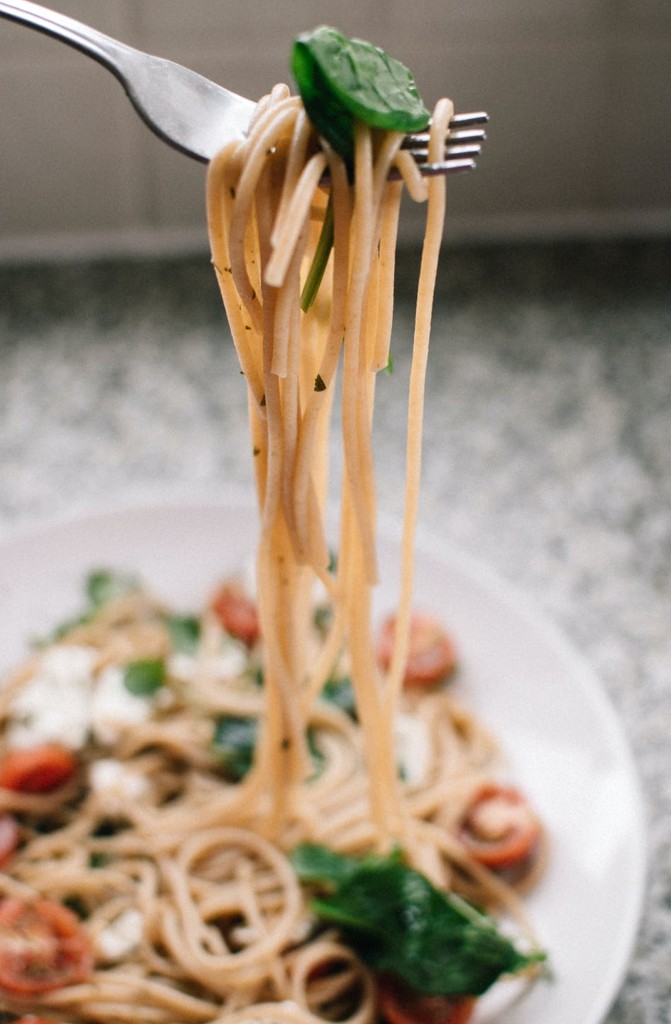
(399, 923)
(144, 677)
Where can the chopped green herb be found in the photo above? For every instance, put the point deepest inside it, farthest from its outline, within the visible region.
(256, 675)
(323, 617)
(143, 678)
(399, 923)
(99, 860)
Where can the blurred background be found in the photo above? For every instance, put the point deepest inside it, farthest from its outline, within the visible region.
(579, 93)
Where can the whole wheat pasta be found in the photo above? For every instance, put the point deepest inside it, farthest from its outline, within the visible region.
(179, 862)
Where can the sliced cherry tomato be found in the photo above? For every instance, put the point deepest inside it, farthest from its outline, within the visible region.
(431, 653)
(37, 769)
(237, 613)
(29, 1019)
(43, 946)
(9, 838)
(401, 1004)
(500, 830)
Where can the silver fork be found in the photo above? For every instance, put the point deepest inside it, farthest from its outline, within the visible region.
(197, 116)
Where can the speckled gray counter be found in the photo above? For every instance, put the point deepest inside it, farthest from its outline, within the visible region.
(548, 450)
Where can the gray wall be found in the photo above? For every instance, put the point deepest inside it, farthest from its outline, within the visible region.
(578, 92)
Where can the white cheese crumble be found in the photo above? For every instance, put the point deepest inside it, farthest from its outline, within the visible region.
(113, 707)
(121, 936)
(109, 776)
(230, 663)
(413, 747)
(53, 707)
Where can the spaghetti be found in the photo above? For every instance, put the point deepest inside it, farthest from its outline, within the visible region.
(177, 861)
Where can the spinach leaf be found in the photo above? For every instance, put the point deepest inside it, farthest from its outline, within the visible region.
(105, 585)
(233, 743)
(343, 79)
(319, 262)
(144, 677)
(341, 693)
(314, 863)
(184, 632)
(399, 923)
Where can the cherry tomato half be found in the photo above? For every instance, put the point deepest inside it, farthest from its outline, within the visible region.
(237, 613)
(43, 946)
(431, 654)
(37, 769)
(500, 830)
(401, 1004)
(9, 838)
(29, 1019)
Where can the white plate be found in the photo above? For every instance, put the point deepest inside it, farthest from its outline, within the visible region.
(564, 744)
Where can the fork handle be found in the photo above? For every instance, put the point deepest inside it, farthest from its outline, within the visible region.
(101, 47)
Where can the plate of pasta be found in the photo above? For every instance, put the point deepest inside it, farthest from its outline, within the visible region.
(258, 767)
(148, 838)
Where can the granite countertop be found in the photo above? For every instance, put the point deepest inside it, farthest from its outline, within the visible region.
(548, 450)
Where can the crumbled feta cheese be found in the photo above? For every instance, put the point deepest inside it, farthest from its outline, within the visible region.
(413, 747)
(182, 667)
(320, 595)
(53, 707)
(230, 663)
(113, 707)
(107, 775)
(121, 936)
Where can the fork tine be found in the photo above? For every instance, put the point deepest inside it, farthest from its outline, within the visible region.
(456, 165)
(450, 152)
(463, 143)
(467, 126)
(471, 118)
(420, 140)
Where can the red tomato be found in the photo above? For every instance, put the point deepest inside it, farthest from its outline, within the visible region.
(401, 1004)
(500, 829)
(37, 769)
(43, 946)
(9, 838)
(431, 653)
(237, 613)
(29, 1019)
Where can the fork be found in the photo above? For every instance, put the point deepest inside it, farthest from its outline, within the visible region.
(195, 115)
